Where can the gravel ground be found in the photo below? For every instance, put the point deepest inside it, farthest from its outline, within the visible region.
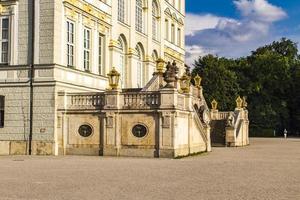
(267, 169)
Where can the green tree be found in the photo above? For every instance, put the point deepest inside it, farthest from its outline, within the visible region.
(219, 82)
(269, 77)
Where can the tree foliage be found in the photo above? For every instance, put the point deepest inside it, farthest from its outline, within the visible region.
(269, 77)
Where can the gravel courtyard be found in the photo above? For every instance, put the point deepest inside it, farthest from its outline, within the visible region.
(267, 169)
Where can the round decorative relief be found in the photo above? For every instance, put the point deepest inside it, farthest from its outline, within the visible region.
(139, 130)
(85, 130)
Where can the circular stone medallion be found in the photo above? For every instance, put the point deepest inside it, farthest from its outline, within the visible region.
(85, 130)
(139, 130)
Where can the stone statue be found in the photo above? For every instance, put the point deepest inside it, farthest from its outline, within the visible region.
(188, 70)
(230, 120)
(170, 75)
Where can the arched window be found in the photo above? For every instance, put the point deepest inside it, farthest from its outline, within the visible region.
(155, 18)
(154, 56)
(121, 68)
(121, 10)
(140, 65)
(139, 15)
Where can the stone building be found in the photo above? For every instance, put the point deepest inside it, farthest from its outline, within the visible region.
(55, 57)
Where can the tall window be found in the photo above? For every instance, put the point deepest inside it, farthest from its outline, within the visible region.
(87, 48)
(139, 15)
(121, 10)
(70, 43)
(179, 37)
(167, 29)
(2, 104)
(139, 71)
(4, 39)
(154, 20)
(101, 54)
(122, 60)
(173, 33)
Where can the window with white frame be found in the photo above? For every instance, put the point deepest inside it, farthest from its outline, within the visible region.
(101, 53)
(139, 16)
(121, 10)
(70, 43)
(173, 33)
(154, 20)
(139, 70)
(87, 49)
(122, 61)
(179, 37)
(4, 24)
(167, 29)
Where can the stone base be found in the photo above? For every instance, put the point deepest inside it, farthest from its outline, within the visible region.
(21, 148)
(83, 151)
(130, 152)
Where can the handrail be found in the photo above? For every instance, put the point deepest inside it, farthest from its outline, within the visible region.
(237, 123)
(200, 125)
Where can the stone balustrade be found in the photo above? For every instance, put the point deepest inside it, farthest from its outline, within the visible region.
(216, 115)
(79, 101)
(141, 100)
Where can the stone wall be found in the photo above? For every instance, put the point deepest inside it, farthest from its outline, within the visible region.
(15, 133)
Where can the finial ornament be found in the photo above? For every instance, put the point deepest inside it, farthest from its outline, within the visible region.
(160, 65)
(185, 83)
(214, 104)
(245, 104)
(197, 80)
(239, 102)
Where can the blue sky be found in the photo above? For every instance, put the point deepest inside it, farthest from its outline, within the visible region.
(233, 28)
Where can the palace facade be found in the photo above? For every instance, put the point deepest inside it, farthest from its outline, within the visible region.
(54, 99)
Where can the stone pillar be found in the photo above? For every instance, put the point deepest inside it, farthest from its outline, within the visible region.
(112, 129)
(208, 144)
(62, 130)
(167, 122)
(230, 137)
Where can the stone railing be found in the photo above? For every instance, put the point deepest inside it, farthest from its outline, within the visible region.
(85, 100)
(141, 100)
(200, 124)
(216, 115)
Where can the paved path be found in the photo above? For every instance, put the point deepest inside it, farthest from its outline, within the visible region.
(267, 169)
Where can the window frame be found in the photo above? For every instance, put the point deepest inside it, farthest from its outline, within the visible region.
(155, 22)
(139, 16)
(101, 53)
(173, 36)
(87, 49)
(121, 11)
(71, 44)
(6, 40)
(179, 32)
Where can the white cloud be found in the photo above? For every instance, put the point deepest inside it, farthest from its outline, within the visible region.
(231, 37)
(194, 51)
(196, 22)
(260, 10)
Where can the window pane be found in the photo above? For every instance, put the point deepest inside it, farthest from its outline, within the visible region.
(5, 23)
(4, 46)
(4, 34)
